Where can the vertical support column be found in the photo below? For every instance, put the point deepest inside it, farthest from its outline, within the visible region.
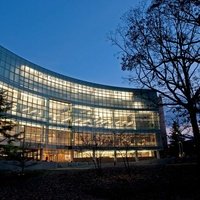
(46, 135)
(19, 124)
(18, 100)
(71, 146)
(41, 154)
(93, 136)
(157, 154)
(115, 157)
(115, 151)
(42, 139)
(71, 139)
(46, 127)
(47, 121)
(114, 138)
(71, 155)
(136, 156)
(93, 153)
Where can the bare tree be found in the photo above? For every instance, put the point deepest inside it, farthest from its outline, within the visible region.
(125, 143)
(176, 140)
(95, 143)
(160, 43)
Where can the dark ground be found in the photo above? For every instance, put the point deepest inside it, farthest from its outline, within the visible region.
(165, 182)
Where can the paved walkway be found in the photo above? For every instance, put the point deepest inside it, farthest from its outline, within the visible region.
(42, 165)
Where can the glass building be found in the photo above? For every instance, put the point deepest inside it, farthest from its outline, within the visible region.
(65, 119)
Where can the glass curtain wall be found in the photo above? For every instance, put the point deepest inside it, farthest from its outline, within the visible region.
(59, 113)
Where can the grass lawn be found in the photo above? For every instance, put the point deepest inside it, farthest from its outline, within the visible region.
(175, 181)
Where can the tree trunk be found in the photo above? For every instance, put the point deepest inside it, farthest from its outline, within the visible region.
(195, 128)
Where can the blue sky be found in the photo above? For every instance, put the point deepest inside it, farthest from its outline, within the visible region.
(66, 36)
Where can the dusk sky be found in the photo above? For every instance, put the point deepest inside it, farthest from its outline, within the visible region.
(66, 36)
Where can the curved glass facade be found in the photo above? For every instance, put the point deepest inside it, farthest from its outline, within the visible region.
(64, 118)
